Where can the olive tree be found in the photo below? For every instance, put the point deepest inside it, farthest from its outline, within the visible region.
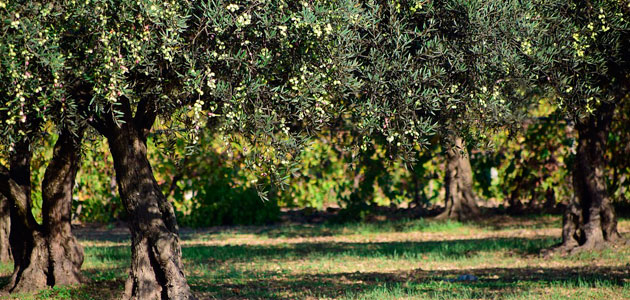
(34, 103)
(5, 229)
(451, 68)
(266, 70)
(580, 50)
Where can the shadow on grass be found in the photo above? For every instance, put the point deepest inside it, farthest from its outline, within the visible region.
(413, 250)
(437, 249)
(502, 221)
(217, 279)
(121, 234)
(4, 280)
(491, 283)
(332, 229)
(211, 274)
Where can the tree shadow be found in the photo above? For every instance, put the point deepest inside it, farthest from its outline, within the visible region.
(115, 234)
(211, 274)
(490, 283)
(120, 233)
(4, 280)
(306, 230)
(503, 221)
(451, 249)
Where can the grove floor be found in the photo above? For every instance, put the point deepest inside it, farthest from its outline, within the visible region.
(414, 259)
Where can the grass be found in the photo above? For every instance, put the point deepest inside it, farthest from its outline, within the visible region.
(409, 259)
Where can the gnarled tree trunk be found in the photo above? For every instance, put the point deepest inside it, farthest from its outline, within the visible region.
(48, 254)
(461, 201)
(65, 253)
(5, 229)
(156, 267)
(589, 221)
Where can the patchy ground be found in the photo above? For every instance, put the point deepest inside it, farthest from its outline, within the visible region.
(496, 258)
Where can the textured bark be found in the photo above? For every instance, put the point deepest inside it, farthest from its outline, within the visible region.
(461, 201)
(156, 268)
(589, 221)
(66, 255)
(26, 241)
(5, 229)
(43, 255)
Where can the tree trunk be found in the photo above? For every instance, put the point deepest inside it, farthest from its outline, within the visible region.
(66, 255)
(515, 206)
(156, 268)
(589, 221)
(5, 229)
(461, 201)
(43, 255)
(550, 200)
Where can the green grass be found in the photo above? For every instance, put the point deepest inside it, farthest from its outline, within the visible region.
(409, 259)
(363, 228)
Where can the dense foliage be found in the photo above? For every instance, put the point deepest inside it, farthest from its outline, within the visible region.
(580, 49)
(437, 40)
(518, 168)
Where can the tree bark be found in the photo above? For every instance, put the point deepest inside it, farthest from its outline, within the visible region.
(25, 238)
(156, 267)
(43, 255)
(589, 221)
(461, 201)
(5, 229)
(65, 253)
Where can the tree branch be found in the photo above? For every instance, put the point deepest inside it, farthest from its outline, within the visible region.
(18, 199)
(146, 114)
(98, 124)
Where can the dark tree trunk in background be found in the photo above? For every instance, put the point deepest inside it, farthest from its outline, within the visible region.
(156, 267)
(5, 229)
(45, 255)
(589, 221)
(550, 200)
(515, 206)
(461, 201)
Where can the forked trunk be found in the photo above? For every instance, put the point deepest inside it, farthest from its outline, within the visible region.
(461, 201)
(589, 221)
(43, 255)
(156, 267)
(5, 229)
